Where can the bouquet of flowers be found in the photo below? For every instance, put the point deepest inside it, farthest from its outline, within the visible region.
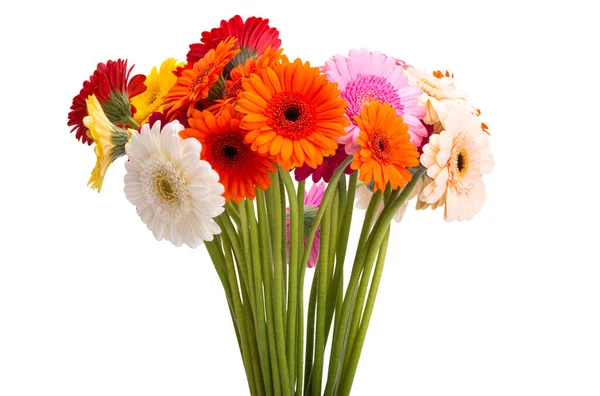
(211, 144)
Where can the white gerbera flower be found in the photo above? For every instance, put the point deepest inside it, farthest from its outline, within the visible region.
(439, 93)
(455, 159)
(176, 194)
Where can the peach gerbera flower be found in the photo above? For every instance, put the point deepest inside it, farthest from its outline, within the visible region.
(240, 169)
(293, 113)
(195, 82)
(456, 158)
(385, 148)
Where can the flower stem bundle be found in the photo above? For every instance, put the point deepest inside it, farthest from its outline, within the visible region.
(263, 159)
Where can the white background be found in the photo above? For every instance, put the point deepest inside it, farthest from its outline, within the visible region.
(507, 304)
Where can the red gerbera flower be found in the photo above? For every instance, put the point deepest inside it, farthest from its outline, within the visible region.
(113, 88)
(253, 37)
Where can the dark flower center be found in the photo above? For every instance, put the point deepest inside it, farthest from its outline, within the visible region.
(460, 162)
(380, 146)
(292, 113)
(229, 152)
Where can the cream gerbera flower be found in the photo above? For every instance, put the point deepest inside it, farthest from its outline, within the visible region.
(110, 140)
(158, 82)
(439, 93)
(456, 159)
(176, 194)
(363, 197)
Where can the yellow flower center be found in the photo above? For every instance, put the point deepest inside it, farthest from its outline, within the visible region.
(168, 187)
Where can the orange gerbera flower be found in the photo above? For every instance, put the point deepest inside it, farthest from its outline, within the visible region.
(293, 113)
(240, 169)
(233, 86)
(195, 81)
(386, 150)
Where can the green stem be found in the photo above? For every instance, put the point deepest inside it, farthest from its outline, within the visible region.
(129, 120)
(336, 355)
(233, 284)
(331, 187)
(233, 213)
(248, 258)
(322, 268)
(342, 245)
(300, 313)
(365, 258)
(216, 255)
(259, 316)
(356, 349)
(278, 293)
(361, 294)
(310, 336)
(266, 259)
(228, 230)
(293, 273)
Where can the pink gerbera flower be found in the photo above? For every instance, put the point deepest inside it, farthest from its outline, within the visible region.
(364, 77)
(312, 200)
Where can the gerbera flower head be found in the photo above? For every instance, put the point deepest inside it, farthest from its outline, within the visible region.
(240, 169)
(176, 194)
(110, 140)
(195, 82)
(386, 150)
(159, 82)
(326, 169)
(293, 113)
(365, 77)
(455, 159)
(253, 37)
(312, 201)
(113, 88)
(439, 92)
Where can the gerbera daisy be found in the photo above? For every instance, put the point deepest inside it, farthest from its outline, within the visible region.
(312, 201)
(386, 150)
(159, 82)
(110, 140)
(253, 37)
(112, 86)
(240, 169)
(232, 87)
(176, 194)
(195, 82)
(455, 160)
(326, 169)
(366, 77)
(439, 92)
(292, 113)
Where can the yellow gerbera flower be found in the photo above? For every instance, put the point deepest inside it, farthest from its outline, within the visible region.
(159, 82)
(110, 140)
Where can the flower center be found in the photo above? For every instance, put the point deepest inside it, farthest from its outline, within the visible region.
(291, 115)
(380, 146)
(367, 89)
(167, 185)
(227, 150)
(462, 162)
